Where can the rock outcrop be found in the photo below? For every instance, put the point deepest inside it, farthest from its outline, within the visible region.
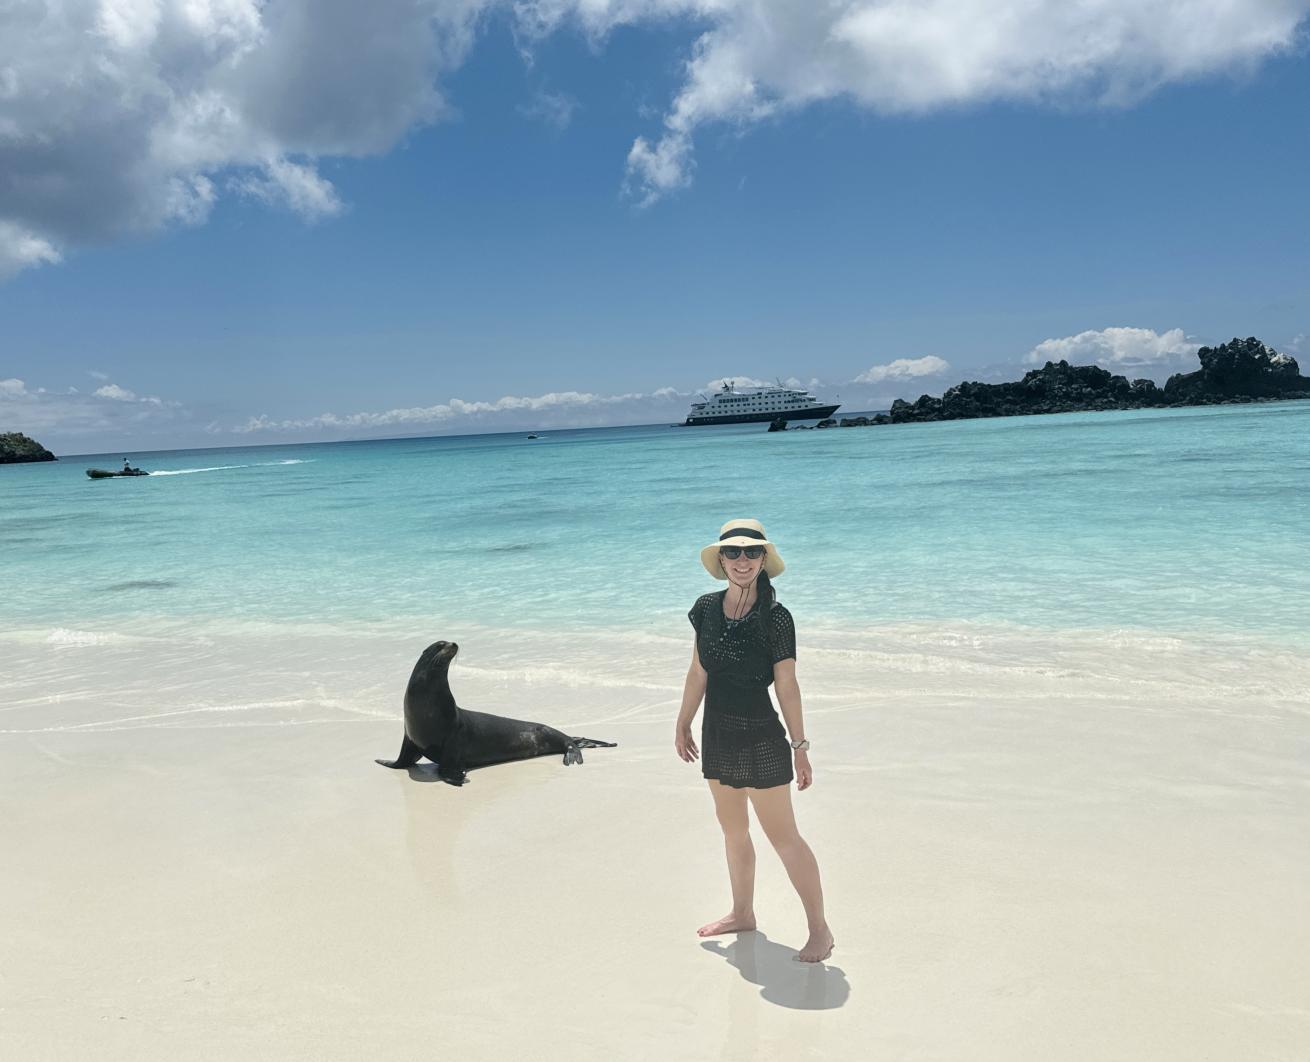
(1244, 370)
(16, 447)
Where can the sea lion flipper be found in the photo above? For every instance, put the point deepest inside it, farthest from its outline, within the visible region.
(409, 755)
(451, 767)
(452, 777)
(571, 754)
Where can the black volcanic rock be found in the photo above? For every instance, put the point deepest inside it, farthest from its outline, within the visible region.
(1057, 387)
(16, 447)
(778, 424)
(1242, 368)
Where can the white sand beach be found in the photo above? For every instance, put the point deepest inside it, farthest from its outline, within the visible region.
(1062, 861)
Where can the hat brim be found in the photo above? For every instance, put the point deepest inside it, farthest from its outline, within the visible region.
(709, 557)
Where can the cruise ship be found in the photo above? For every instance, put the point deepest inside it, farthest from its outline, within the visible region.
(729, 406)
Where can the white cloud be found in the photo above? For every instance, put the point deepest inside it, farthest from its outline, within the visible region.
(1119, 347)
(121, 394)
(765, 57)
(573, 407)
(294, 186)
(654, 172)
(116, 116)
(122, 117)
(97, 375)
(20, 248)
(738, 382)
(64, 420)
(904, 369)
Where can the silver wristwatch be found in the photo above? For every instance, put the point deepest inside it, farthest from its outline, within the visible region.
(801, 746)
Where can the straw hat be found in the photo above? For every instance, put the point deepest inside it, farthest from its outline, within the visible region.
(741, 533)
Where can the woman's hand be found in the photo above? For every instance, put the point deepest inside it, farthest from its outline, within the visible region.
(686, 744)
(804, 773)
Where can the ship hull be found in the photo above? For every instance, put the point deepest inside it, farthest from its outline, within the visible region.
(763, 417)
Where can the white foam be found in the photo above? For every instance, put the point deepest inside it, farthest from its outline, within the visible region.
(192, 471)
(225, 468)
(63, 636)
(198, 672)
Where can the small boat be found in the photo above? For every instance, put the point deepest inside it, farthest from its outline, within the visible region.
(534, 436)
(100, 473)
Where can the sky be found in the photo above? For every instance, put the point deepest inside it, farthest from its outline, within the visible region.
(232, 222)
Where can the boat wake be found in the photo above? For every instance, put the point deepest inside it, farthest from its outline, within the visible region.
(224, 468)
(192, 471)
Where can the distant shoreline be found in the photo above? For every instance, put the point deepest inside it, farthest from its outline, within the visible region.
(1236, 373)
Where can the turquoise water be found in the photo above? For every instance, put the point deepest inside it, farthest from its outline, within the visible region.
(1179, 520)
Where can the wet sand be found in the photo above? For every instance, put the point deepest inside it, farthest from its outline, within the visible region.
(1065, 861)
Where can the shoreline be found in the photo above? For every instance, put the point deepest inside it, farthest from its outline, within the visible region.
(1073, 861)
(659, 427)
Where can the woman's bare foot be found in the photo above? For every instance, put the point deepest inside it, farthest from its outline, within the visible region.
(818, 947)
(731, 923)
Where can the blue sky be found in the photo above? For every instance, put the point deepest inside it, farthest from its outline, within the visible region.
(507, 241)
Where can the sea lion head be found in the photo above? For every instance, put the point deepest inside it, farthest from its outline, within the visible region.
(431, 676)
(437, 656)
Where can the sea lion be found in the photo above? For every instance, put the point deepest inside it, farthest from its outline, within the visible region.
(458, 740)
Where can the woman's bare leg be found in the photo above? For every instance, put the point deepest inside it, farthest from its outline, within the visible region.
(773, 809)
(730, 806)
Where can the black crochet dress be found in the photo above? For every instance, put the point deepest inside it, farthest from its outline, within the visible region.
(743, 742)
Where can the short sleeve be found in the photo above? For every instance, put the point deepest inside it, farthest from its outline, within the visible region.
(697, 613)
(782, 635)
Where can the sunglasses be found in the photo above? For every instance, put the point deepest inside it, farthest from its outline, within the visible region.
(733, 552)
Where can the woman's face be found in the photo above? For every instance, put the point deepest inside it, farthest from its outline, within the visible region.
(741, 571)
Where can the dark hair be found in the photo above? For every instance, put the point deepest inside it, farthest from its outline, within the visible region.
(764, 592)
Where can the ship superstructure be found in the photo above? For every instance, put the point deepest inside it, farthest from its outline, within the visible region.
(731, 406)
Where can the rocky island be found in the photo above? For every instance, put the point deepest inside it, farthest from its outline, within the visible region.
(16, 447)
(1243, 370)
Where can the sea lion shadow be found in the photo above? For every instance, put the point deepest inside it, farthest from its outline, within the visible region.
(427, 773)
(782, 979)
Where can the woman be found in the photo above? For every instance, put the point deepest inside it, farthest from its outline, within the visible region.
(744, 641)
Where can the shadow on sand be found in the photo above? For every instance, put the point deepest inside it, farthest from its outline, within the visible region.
(783, 980)
(425, 772)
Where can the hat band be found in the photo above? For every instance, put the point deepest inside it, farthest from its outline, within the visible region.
(742, 532)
